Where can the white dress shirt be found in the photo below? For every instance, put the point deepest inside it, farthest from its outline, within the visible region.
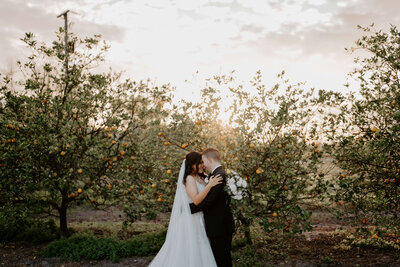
(215, 168)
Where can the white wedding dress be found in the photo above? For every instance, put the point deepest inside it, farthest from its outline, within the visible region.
(186, 244)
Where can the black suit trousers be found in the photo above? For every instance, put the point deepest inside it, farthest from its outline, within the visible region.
(221, 247)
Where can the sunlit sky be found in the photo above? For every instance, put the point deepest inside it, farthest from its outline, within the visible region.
(170, 40)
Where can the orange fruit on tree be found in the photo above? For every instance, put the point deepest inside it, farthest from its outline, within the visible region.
(62, 153)
(67, 146)
(80, 171)
(125, 144)
(166, 143)
(144, 181)
(387, 180)
(115, 159)
(10, 126)
(107, 129)
(363, 221)
(122, 152)
(132, 158)
(130, 189)
(251, 145)
(258, 171)
(165, 164)
(166, 181)
(247, 156)
(141, 192)
(164, 157)
(316, 151)
(79, 190)
(110, 186)
(35, 142)
(55, 174)
(343, 175)
(185, 146)
(92, 200)
(126, 192)
(393, 180)
(105, 159)
(279, 146)
(248, 128)
(159, 199)
(160, 134)
(113, 142)
(153, 185)
(275, 214)
(374, 129)
(110, 135)
(169, 171)
(284, 187)
(394, 102)
(376, 236)
(310, 183)
(198, 122)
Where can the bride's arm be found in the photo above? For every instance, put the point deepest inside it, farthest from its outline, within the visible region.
(191, 188)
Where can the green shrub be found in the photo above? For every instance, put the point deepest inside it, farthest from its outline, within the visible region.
(79, 247)
(15, 226)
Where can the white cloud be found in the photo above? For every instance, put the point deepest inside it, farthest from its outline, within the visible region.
(171, 39)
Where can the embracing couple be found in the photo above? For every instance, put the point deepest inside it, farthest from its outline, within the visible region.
(201, 224)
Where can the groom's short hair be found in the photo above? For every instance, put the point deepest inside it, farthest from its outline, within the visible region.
(212, 153)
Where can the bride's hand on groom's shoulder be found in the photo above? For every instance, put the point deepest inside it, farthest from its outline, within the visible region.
(215, 180)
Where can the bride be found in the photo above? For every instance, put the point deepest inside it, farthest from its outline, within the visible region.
(186, 243)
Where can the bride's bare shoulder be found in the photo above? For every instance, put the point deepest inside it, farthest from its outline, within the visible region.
(190, 178)
(190, 182)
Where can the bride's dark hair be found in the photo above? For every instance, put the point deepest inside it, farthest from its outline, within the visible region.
(191, 158)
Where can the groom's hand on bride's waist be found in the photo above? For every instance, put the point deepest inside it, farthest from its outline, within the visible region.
(193, 208)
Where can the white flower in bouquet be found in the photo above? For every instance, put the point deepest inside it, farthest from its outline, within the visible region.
(236, 185)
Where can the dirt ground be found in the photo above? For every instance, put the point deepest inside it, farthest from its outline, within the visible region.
(316, 249)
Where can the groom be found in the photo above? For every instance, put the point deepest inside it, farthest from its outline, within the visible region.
(217, 214)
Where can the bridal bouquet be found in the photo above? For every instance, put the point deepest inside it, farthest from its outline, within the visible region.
(235, 185)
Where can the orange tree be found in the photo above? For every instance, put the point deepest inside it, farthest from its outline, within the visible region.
(70, 134)
(267, 141)
(367, 142)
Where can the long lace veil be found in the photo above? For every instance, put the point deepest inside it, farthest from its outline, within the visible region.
(180, 207)
(180, 236)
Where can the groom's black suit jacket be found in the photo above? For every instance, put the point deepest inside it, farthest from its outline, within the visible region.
(215, 206)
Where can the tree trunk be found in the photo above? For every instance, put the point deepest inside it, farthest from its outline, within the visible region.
(246, 224)
(247, 234)
(63, 219)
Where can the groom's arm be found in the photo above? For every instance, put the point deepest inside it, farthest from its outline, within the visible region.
(210, 198)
